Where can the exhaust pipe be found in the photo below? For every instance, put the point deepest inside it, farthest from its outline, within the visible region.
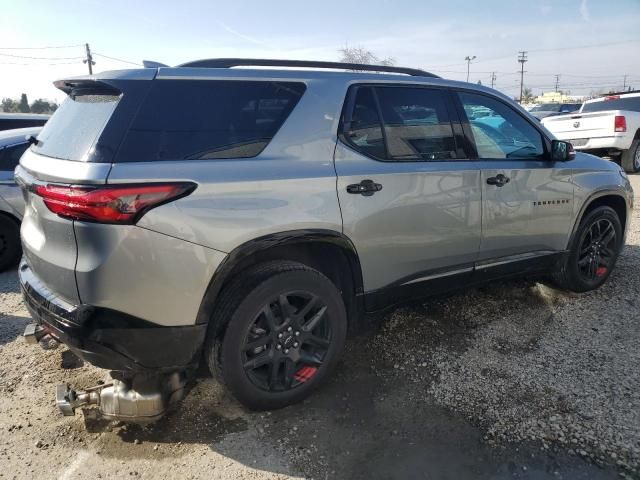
(140, 398)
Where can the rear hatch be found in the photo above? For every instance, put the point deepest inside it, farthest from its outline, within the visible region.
(75, 148)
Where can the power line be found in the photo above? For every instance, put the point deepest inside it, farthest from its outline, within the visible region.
(41, 48)
(39, 58)
(116, 59)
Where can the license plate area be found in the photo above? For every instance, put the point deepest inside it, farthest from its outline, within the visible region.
(579, 142)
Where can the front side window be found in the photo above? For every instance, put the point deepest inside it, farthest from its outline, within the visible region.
(401, 124)
(499, 131)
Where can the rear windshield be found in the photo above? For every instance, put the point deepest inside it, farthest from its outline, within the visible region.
(629, 103)
(208, 119)
(76, 125)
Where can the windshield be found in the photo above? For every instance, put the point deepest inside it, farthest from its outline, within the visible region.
(546, 107)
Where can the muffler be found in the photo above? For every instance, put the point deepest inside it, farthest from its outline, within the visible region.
(141, 398)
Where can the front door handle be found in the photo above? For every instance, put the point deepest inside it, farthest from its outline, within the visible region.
(499, 180)
(366, 188)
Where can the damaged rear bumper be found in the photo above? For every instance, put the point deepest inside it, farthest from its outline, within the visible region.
(110, 339)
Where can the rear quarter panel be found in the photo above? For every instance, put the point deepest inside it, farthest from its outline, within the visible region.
(291, 185)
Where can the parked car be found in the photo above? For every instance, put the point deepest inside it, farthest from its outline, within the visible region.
(608, 126)
(250, 218)
(12, 121)
(545, 110)
(13, 143)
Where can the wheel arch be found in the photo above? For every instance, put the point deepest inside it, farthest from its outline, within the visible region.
(610, 198)
(310, 247)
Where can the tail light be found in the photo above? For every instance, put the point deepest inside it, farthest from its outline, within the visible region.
(620, 123)
(123, 204)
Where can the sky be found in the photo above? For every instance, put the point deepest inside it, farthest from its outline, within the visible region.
(591, 44)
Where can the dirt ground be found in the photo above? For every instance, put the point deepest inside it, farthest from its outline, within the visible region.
(513, 380)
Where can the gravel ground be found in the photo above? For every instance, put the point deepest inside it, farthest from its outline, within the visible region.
(513, 380)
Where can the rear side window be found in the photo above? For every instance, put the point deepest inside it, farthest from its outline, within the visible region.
(626, 103)
(400, 124)
(76, 125)
(416, 124)
(365, 129)
(10, 156)
(208, 119)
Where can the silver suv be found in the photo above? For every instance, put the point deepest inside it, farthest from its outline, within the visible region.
(251, 218)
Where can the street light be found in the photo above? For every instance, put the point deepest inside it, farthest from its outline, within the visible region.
(469, 59)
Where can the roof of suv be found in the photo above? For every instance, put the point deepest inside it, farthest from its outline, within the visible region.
(224, 68)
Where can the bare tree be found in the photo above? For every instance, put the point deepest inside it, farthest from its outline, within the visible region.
(361, 55)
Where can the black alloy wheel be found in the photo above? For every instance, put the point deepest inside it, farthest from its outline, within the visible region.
(287, 342)
(597, 250)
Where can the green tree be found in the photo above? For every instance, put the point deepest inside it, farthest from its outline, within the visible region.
(23, 106)
(9, 105)
(42, 106)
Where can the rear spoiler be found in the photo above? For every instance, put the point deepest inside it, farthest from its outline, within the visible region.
(84, 86)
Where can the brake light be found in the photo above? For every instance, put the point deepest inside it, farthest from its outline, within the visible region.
(110, 204)
(620, 123)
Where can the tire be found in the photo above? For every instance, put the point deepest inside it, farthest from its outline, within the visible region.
(10, 248)
(630, 159)
(587, 267)
(301, 353)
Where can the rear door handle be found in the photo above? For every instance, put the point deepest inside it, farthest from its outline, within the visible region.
(366, 188)
(499, 180)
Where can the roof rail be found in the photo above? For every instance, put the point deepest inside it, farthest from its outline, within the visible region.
(260, 62)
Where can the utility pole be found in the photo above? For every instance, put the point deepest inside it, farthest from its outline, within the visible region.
(89, 60)
(624, 83)
(468, 60)
(493, 78)
(522, 58)
(557, 81)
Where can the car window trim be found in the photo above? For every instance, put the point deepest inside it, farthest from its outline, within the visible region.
(454, 119)
(466, 125)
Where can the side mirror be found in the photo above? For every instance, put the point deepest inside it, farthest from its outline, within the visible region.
(562, 151)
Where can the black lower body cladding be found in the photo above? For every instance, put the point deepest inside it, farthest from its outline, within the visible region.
(109, 339)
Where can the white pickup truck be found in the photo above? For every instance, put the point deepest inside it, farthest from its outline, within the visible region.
(608, 127)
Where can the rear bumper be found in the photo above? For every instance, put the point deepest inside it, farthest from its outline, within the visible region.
(621, 142)
(110, 339)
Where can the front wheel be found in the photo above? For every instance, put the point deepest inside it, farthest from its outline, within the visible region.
(286, 329)
(594, 251)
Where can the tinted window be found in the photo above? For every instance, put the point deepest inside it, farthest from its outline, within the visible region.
(499, 131)
(10, 156)
(204, 119)
(416, 124)
(75, 126)
(629, 103)
(365, 131)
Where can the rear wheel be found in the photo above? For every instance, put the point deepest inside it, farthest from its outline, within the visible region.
(286, 329)
(10, 249)
(630, 159)
(593, 253)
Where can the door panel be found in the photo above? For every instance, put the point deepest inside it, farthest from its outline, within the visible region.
(527, 200)
(530, 213)
(426, 217)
